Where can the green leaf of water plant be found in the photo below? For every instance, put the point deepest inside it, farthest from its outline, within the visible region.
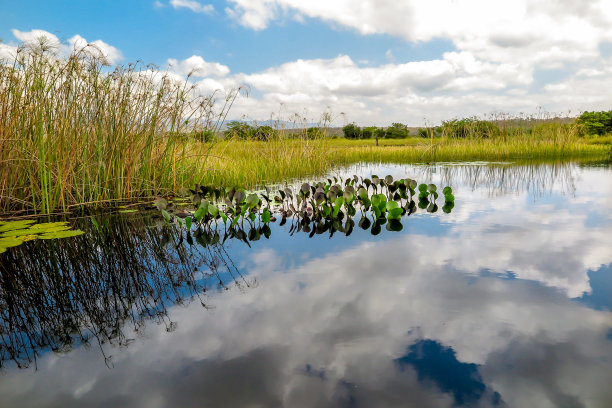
(166, 215)
(449, 198)
(423, 188)
(61, 234)
(337, 205)
(10, 242)
(188, 221)
(161, 203)
(348, 196)
(448, 207)
(15, 225)
(447, 190)
(391, 205)
(395, 213)
(431, 188)
(266, 215)
(252, 200)
(201, 211)
(213, 210)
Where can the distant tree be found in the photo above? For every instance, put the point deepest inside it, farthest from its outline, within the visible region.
(368, 132)
(596, 123)
(240, 130)
(315, 133)
(352, 131)
(397, 131)
(206, 135)
(263, 133)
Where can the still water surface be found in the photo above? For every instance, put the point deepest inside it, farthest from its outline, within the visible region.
(503, 302)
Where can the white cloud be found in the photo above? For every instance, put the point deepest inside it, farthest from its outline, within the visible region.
(348, 315)
(77, 43)
(500, 30)
(36, 37)
(97, 47)
(193, 5)
(499, 45)
(197, 67)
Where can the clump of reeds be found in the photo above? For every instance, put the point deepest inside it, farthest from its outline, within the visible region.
(73, 130)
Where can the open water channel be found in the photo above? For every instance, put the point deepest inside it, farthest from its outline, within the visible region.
(505, 301)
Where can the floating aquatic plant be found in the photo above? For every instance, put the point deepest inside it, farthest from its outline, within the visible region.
(15, 233)
(322, 206)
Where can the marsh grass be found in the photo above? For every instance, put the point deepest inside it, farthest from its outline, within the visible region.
(74, 131)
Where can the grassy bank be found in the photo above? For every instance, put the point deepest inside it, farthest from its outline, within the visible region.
(74, 132)
(250, 163)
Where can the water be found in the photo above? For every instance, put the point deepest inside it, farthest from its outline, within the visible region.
(503, 302)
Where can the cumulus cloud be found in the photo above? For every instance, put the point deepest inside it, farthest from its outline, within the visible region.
(500, 30)
(196, 66)
(499, 46)
(110, 53)
(77, 43)
(193, 5)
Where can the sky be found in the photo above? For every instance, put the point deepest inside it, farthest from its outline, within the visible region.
(371, 62)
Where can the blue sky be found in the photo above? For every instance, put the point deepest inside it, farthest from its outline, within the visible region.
(376, 61)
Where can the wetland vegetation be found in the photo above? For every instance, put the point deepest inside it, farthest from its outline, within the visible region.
(74, 132)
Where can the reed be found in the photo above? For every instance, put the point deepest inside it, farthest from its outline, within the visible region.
(74, 131)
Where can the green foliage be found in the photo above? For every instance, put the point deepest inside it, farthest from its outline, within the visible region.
(469, 128)
(397, 131)
(352, 131)
(206, 135)
(368, 132)
(330, 203)
(315, 133)
(596, 123)
(238, 130)
(435, 131)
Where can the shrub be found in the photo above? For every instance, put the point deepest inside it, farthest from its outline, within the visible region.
(239, 130)
(368, 132)
(263, 133)
(352, 131)
(315, 133)
(397, 131)
(596, 123)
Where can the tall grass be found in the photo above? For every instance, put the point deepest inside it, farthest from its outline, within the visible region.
(74, 131)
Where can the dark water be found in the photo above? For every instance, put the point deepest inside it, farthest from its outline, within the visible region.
(504, 302)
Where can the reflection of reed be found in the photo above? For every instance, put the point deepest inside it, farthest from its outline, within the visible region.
(60, 293)
(503, 179)
(498, 179)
